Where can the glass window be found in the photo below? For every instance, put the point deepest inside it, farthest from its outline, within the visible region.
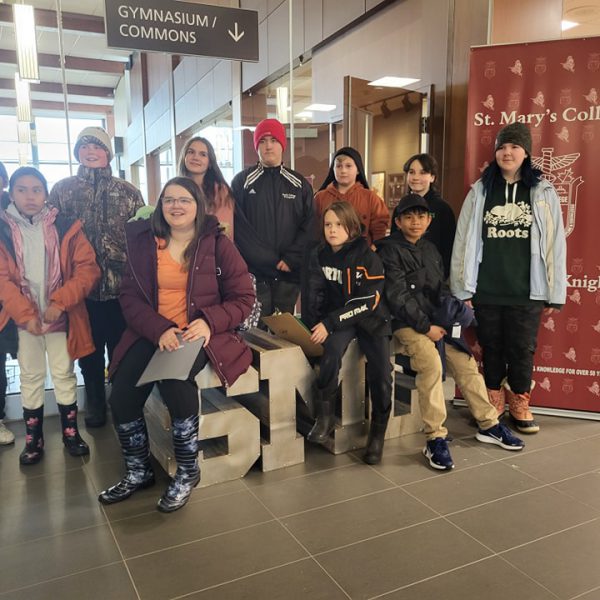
(53, 152)
(220, 136)
(167, 170)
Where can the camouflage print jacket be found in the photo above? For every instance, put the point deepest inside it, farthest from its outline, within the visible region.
(103, 204)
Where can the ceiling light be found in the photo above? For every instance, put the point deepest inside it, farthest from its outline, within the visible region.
(321, 107)
(565, 25)
(396, 82)
(26, 42)
(305, 114)
(23, 99)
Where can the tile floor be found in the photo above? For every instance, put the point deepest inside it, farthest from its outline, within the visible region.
(500, 526)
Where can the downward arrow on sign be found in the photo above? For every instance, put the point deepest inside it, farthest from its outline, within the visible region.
(236, 36)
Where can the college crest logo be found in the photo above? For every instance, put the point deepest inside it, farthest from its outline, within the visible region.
(486, 137)
(556, 170)
(593, 63)
(595, 356)
(572, 324)
(577, 265)
(489, 71)
(588, 133)
(540, 65)
(514, 99)
(567, 386)
(546, 352)
(565, 97)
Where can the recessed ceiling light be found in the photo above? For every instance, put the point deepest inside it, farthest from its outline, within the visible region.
(396, 82)
(321, 107)
(565, 25)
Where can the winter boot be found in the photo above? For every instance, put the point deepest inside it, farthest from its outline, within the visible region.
(497, 399)
(187, 476)
(71, 439)
(375, 441)
(95, 402)
(133, 437)
(34, 436)
(518, 408)
(325, 423)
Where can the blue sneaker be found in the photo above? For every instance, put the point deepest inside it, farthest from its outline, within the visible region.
(436, 451)
(500, 435)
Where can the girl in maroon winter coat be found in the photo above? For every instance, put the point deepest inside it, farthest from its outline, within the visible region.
(183, 278)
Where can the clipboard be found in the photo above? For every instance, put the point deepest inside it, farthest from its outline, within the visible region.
(288, 327)
(176, 364)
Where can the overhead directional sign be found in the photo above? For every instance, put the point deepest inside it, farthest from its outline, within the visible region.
(182, 28)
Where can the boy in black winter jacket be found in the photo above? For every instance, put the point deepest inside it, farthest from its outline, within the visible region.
(415, 291)
(341, 300)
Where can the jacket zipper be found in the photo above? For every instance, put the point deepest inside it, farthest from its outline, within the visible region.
(155, 304)
(213, 358)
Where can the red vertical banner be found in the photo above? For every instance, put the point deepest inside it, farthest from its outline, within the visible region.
(554, 87)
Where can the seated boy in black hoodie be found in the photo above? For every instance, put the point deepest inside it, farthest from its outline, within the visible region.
(415, 293)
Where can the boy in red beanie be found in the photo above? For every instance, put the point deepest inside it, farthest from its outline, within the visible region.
(273, 220)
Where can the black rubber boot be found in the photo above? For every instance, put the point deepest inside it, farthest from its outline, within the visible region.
(133, 437)
(187, 476)
(71, 439)
(95, 402)
(325, 423)
(34, 436)
(375, 441)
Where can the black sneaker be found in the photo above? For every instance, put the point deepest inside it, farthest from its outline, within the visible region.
(436, 451)
(500, 435)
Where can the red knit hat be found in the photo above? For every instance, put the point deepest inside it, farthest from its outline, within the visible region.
(270, 127)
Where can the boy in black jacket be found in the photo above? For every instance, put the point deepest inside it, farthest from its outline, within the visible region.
(341, 300)
(415, 292)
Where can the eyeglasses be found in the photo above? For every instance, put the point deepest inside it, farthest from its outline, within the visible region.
(183, 201)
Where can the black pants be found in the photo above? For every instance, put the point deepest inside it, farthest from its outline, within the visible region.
(379, 368)
(275, 294)
(508, 338)
(3, 384)
(108, 325)
(127, 401)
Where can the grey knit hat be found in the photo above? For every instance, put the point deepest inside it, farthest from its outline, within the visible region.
(515, 133)
(93, 135)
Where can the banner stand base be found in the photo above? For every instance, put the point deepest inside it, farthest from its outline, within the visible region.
(551, 412)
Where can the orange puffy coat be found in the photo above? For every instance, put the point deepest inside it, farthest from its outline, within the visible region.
(79, 271)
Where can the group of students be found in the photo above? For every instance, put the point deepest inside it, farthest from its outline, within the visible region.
(183, 273)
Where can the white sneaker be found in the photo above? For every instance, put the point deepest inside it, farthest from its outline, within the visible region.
(6, 435)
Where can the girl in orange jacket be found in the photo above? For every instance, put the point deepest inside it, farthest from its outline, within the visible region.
(47, 268)
(346, 182)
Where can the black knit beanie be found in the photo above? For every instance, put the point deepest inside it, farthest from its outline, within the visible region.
(515, 133)
(357, 158)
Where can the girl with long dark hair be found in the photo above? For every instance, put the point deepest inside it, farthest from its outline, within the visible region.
(198, 161)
